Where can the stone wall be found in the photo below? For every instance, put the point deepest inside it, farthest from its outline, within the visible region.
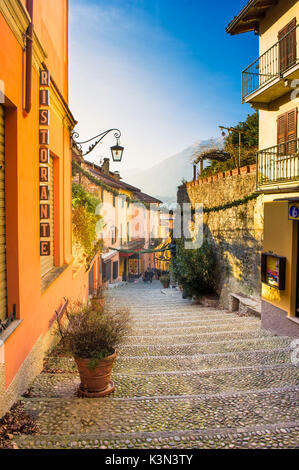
(236, 233)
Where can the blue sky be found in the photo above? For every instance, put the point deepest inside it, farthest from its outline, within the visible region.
(163, 71)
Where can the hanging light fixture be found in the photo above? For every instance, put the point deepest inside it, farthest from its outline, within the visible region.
(117, 152)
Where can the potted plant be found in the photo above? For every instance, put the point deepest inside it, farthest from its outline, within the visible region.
(98, 297)
(165, 281)
(91, 335)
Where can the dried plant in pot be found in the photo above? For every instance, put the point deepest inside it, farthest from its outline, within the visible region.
(92, 334)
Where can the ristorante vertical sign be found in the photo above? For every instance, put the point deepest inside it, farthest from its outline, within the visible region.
(44, 155)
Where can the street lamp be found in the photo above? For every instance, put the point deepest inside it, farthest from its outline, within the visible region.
(116, 150)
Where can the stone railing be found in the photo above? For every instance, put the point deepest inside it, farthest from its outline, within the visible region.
(244, 170)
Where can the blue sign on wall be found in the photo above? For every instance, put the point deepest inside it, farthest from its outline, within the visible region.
(294, 211)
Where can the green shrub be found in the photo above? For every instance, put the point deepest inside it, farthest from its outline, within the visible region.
(84, 231)
(81, 197)
(85, 220)
(195, 270)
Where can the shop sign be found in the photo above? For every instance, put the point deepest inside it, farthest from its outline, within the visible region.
(44, 173)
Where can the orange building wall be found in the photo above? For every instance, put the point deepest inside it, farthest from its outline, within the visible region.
(35, 308)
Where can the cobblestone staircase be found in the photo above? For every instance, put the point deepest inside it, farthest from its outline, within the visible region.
(187, 377)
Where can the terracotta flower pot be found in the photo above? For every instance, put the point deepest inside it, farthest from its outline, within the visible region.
(96, 382)
(166, 285)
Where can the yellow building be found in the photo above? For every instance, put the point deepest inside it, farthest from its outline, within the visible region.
(271, 85)
(127, 227)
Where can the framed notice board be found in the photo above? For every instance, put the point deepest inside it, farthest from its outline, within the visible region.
(273, 271)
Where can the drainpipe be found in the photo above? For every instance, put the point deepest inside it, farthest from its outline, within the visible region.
(29, 40)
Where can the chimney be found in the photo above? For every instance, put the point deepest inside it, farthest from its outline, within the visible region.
(116, 176)
(106, 166)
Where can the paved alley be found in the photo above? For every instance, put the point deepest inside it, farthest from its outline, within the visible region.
(187, 377)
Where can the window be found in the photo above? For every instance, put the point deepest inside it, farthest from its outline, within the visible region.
(102, 194)
(106, 271)
(104, 275)
(128, 232)
(91, 281)
(287, 46)
(114, 235)
(115, 270)
(114, 197)
(287, 132)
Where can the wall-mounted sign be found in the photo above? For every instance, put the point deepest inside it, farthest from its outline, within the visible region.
(273, 270)
(45, 230)
(44, 154)
(293, 211)
(44, 117)
(44, 173)
(45, 248)
(44, 98)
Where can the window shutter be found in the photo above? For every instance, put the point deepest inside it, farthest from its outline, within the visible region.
(287, 45)
(281, 133)
(292, 130)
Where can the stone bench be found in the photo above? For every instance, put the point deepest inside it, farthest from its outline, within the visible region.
(244, 305)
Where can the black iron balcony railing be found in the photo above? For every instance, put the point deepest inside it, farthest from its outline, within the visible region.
(272, 64)
(278, 164)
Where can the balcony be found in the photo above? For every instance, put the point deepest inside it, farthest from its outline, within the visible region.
(270, 76)
(278, 167)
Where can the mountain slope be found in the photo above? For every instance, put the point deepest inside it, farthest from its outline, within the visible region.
(163, 179)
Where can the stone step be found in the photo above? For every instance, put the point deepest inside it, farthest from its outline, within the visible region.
(199, 382)
(182, 315)
(250, 332)
(282, 435)
(116, 415)
(166, 364)
(190, 320)
(143, 365)
(193, 328)
(212, 347)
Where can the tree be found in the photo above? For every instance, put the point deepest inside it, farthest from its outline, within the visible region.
(249, 146)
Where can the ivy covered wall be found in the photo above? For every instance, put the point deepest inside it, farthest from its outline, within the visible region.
(233, 223)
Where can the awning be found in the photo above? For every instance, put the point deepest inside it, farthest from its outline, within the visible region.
(142, 252)
(125, 255)
(107, 256)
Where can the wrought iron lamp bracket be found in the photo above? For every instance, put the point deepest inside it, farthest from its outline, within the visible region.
(99, 138)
